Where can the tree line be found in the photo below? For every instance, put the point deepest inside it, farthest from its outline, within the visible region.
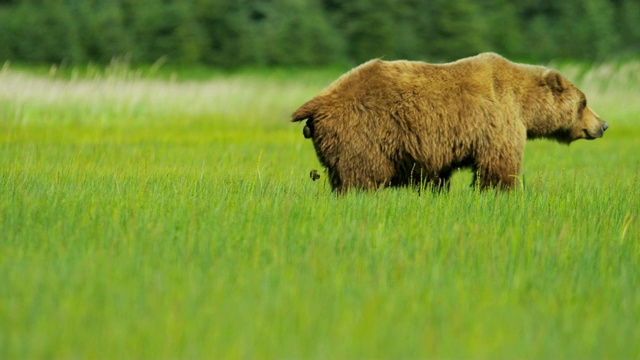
(233, 33)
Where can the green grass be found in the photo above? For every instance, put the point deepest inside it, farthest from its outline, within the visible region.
(154, 217)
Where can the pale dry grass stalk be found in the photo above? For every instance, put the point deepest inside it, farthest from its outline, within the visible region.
(123, 98)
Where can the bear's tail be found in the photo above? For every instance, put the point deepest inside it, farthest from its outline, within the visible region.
(306, 111)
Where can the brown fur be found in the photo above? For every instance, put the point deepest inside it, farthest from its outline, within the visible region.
(402, 122)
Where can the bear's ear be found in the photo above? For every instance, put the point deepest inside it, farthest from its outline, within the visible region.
(554, 81)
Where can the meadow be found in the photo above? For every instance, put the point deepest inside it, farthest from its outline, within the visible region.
(164, 214)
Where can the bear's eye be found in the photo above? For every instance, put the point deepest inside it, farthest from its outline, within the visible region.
(583, 104)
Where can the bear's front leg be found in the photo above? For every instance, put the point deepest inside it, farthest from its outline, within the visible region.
(499, 157)
(487, 179)
(498, 169)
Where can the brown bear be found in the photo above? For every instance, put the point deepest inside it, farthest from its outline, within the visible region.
(398, 123)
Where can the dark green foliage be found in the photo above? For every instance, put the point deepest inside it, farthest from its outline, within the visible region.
(165, 29)
(369, 27)
(42, 31)
(503, 32)
(233, 33)
(293, 32)
(458, 29)
(593, 36)
(627, 20)
(8, 34)
(104, 32)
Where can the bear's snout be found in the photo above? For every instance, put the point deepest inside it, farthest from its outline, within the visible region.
(596, 132)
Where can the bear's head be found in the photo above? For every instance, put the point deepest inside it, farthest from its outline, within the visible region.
(564, 114)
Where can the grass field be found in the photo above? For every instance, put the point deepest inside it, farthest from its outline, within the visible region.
(156, 216)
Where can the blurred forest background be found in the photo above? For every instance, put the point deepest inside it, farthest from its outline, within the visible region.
(237, 33)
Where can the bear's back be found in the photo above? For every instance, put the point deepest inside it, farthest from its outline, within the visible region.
(377, 76)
